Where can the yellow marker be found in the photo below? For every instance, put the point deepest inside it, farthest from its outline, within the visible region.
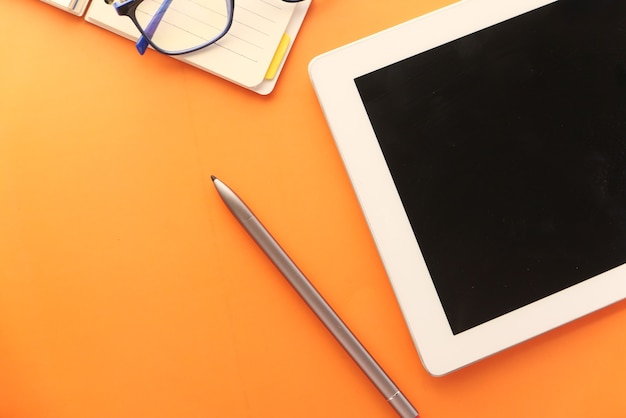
(278, 57)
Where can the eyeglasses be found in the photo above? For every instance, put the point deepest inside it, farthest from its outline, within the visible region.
(175, 27)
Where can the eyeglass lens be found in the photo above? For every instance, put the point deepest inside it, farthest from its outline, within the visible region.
(180, 25)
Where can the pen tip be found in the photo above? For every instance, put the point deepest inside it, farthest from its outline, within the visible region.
(213, 178)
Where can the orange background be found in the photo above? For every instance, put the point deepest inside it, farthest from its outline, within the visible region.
(128, 290)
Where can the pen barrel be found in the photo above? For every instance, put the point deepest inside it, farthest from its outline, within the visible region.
(329, 317)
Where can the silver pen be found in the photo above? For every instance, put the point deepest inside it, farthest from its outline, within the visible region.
(315, 301)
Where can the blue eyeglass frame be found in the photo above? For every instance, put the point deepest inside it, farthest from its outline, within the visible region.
(127, 8)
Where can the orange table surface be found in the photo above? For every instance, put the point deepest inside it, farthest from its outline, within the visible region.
(128, 290)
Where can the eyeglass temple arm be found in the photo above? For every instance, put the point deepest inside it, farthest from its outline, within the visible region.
(142, 42)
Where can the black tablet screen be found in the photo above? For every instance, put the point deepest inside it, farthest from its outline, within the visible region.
(508, 150)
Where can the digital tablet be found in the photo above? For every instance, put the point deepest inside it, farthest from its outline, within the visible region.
(486, 143)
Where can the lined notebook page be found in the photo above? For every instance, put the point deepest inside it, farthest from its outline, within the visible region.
(63, 3)
(76, 7)
(242, 56)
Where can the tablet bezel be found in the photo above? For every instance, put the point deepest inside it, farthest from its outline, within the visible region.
(333, 75)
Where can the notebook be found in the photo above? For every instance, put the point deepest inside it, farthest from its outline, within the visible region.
(252, 53)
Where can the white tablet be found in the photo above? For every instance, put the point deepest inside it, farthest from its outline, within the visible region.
(486, 143)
